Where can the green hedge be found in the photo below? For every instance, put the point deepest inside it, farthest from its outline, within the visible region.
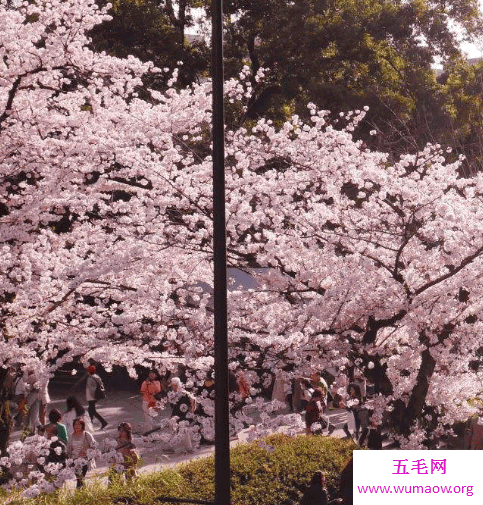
(273, 472)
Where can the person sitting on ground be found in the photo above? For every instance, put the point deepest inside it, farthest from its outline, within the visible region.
(57, 449)
(346, 482)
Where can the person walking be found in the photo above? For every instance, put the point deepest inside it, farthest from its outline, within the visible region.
(242, 385)
(184, 403)
(44, 398)
(361, 382)
(73, 411)
(184, 406)
(338, 401)
(318, 382)
(149, 389)
(94, 384)
(371, 436)
(313, 412)
(32, 421)
(354, 407)
(205, 409)
(281, 388)
(298, 392)
(307, 392)
(20, 398)
(78, 445)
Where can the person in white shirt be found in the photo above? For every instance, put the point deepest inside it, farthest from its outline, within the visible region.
(281, 387)
(32, 421)
(44, 399)
(20, 398)
(77, 449)
(75, 410)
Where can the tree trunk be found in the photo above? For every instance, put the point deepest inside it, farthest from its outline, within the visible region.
(417, 399)
(5, 415)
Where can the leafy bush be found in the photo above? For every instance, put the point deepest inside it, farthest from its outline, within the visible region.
(279, 473)
(274, 470)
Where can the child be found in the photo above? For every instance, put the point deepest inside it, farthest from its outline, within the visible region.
(127, 449)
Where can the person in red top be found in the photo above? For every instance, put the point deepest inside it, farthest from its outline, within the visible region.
(150, 387)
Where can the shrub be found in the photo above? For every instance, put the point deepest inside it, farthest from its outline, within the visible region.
(266, 472)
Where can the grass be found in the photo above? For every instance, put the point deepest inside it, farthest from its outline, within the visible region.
(274, 471)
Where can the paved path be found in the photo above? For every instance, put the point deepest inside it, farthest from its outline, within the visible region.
(124, 406)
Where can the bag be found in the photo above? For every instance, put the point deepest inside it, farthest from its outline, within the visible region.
(100, 392)
(57, 453)
(131, 459)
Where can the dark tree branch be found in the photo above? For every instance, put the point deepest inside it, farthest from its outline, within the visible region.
(11, 97)
(468, 260)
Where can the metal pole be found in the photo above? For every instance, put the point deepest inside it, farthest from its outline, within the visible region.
(222, 433)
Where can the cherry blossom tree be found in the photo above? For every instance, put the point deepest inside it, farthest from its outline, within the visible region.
(106, 225)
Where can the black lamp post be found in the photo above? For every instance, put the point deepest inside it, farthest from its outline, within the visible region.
(222, 433)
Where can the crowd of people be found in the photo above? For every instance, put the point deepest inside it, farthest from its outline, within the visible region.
(32, 397)
(71, 432)
(30, 394)
(313, 396)
(76, 444)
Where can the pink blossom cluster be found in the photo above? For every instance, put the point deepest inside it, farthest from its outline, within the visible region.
(106, 227)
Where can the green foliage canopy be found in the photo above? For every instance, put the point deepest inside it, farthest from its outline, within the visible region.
(345, 54)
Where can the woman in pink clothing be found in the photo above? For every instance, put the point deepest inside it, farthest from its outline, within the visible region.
(150, 387)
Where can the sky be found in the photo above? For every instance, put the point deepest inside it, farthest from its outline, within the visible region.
(474, 50)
